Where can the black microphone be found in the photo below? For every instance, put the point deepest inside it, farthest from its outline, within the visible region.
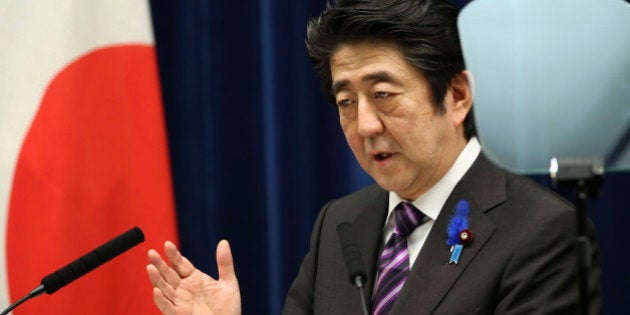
(354, 261)
(88, 262)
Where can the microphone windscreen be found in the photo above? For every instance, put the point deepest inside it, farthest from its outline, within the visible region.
(92, 260)
(351, 252)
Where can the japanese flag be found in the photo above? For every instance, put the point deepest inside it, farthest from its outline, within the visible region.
(83, 151)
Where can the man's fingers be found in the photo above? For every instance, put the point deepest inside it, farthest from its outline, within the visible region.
(168, 273)
(163, 304)
(178, 262)
(158, 282)
(225, 262)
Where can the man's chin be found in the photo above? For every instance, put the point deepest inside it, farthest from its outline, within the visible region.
(388, 185)
(403, 191)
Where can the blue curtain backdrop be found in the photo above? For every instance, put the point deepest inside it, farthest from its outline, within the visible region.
(256, 150)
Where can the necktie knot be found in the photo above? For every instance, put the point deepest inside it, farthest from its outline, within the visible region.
(407, 218)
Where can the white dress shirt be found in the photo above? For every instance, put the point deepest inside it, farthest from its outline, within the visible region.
(432, 201)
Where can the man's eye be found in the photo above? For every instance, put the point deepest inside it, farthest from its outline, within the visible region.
(344, 102)
(381, 94)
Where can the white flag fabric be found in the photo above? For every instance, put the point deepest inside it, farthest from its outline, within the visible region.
(83, 151)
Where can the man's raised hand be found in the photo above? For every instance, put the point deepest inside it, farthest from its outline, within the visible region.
(181, 289)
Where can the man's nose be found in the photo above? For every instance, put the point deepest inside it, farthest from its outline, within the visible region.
(368, 119)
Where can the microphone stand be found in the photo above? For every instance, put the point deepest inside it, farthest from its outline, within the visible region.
(585, 177)
(34, 293)
(358, 282)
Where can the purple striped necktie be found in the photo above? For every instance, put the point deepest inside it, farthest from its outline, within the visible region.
(394, 262)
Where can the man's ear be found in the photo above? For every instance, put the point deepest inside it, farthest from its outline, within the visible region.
(459, 97)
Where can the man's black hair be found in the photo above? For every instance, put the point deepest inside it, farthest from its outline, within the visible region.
(425, 30)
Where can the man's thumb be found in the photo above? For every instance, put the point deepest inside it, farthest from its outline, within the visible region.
(225, 262)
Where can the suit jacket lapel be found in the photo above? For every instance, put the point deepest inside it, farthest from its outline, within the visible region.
(432, 276)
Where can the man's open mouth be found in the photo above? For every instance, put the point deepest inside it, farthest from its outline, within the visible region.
(382, 156)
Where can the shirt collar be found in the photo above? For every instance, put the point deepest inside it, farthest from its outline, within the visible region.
(432, 201)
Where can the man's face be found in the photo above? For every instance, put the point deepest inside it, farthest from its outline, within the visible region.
(387, 115)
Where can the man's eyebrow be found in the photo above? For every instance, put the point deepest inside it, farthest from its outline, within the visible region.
(376, 77)
(381, 76)
(338, 86)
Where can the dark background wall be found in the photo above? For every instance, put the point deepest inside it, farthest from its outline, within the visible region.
(256, 150)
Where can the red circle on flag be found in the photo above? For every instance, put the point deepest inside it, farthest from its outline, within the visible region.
(93, 165)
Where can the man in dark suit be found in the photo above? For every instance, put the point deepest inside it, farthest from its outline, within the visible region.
(444, 231)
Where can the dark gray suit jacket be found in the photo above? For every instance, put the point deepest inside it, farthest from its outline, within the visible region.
(521, 261)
